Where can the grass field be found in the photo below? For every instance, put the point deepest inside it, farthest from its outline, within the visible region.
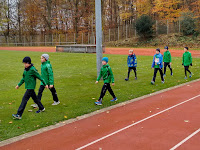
(75, 76)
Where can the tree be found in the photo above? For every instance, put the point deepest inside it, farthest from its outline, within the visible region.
(144, 26)
(188, 26)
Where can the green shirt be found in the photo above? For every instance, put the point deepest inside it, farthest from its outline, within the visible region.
(156, 60)
(106, 73)
(47, 73)
(187, 58)
(167, 57)
(29, 77)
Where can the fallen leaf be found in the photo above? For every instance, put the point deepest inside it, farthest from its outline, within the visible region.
(65, 116)
(186, 121)
(10, 103)
(10, 122)
(30, 110)
(18, 127)
(37, 125)
(107, 112)
(93, 98)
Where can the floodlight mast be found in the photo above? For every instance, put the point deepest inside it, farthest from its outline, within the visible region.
(98, 21)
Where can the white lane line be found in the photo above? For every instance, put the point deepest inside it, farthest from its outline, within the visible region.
(104, 137)
(179, 144)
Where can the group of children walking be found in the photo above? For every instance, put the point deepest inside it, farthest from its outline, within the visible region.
(29, 78)
(158, 62)
(47, 80)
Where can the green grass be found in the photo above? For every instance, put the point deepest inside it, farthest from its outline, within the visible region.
(75, 76)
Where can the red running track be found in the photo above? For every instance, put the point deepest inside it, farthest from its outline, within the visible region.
(120, 51)
(157, 122)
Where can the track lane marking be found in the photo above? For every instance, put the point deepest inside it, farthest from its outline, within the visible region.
(186, 139)
(122, 129)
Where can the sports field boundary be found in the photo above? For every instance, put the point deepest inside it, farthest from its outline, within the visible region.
(36, 132)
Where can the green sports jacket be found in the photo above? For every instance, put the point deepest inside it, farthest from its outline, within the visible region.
(167, 57)
(29, 77)
(187, 58)
(106, 73)
(47, 73)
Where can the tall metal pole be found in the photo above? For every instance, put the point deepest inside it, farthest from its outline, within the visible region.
(98, 34)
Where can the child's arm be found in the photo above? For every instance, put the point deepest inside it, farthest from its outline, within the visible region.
(99, 77)
(50, 73)
(183, 59)
(37, 75)
(111, 75)
(170, 58)
(20, 83)
(190, 59)
(153, 63)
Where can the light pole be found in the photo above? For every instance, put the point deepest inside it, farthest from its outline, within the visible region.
(98, 34)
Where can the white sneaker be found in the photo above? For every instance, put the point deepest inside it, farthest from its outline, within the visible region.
(34, 105)
(56, 103)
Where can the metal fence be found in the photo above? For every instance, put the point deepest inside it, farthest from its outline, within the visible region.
(120, 33)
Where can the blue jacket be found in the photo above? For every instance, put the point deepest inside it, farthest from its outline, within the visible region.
(132, 61)
(160, 63)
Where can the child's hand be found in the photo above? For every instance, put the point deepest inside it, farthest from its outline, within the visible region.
(155, 63)
(97, 82)
(51, 86)
(17, 87)
(46, 86)
(170, 63)
(113, 84)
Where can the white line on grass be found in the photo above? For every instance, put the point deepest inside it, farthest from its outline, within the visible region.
(179, 144)
(104, 137)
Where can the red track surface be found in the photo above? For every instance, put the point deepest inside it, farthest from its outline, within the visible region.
(160, 132)
(121, 51)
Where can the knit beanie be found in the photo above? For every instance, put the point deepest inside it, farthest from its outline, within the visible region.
(166, 47)
(46, 56)
(27, 60)
(105, 59)
(158, 49)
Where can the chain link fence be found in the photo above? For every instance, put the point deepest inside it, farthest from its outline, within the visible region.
(120, 33)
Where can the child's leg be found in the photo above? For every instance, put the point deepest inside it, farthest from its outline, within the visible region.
(129, 70)
(41, 89)
(135, 71)
(111, 91)
(170, 68)
(25, 99)
(54, 94)
(165, 67)
(36, 100)
(186, 70)
(161, 74)
(103, 92)
(155, 72)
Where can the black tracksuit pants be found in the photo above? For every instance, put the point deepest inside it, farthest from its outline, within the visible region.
(165, 67)
(106, 87)
(29, 93)
(53, 92)
(129, 70)
(187, 69)
(155, 72)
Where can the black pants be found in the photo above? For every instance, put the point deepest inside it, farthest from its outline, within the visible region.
(106, 87)
(155, 72)
(129, 70)
(187, 69)
(29, 93)
(165, 67)
(53, 92)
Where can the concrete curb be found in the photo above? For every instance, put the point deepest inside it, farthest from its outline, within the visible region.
(36, 132)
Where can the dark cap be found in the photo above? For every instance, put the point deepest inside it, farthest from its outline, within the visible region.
(158, 49)
(166, 47)
(186, 48)
(27, 60)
